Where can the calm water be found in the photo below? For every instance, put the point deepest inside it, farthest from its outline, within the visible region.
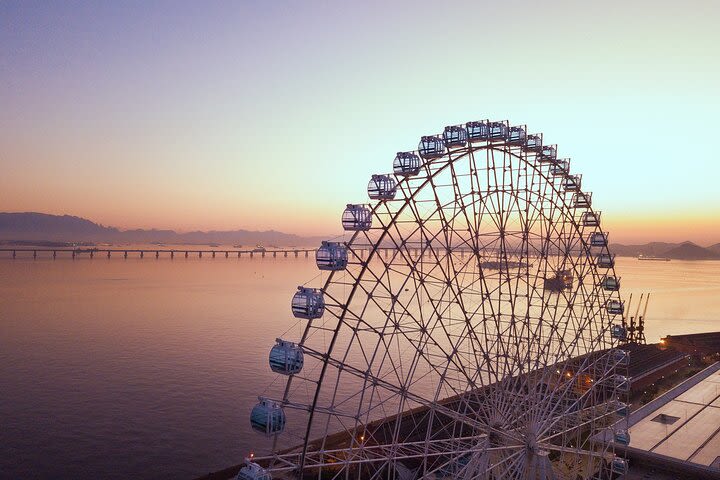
(148, 368)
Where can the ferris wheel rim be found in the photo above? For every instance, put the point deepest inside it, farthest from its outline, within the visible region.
(448, 162)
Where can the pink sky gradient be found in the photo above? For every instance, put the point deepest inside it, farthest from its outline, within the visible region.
(273, 115)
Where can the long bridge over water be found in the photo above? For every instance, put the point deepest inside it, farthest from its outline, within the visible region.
(92, 252)
(150, 252)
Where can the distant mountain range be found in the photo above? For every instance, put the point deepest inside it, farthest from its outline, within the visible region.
(678, 251)
(40, 227)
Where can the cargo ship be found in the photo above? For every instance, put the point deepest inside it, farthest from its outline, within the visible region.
(653, 258)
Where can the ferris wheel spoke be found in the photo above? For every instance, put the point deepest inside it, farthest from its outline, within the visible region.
(595, 412)
(424, 282)
(574, 450)
(452, 274)
(387, 453)
(447, 227)
(445, 353)
(379, 382)
(443, 376)
(478, 465)
(548, 408)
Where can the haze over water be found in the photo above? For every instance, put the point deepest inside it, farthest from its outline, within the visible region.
(121, 368)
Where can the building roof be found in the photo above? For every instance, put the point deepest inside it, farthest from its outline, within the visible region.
(683, 425)
(646, 359)
(697, 342)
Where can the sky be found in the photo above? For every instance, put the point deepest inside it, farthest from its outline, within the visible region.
(273, 115)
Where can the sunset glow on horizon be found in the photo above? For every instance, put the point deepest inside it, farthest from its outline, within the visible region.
(264, 116)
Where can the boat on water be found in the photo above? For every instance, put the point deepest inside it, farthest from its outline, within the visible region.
(493, 265)
(562, 280)
(653, 258)
(259, 249)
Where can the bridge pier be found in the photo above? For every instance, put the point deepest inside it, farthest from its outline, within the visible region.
(157, 254)
(186, 254)
(200, 254)
(54, 254)
(226, 254)
(172, 254)
(263, 254)
(34, 254)
(306, 253)
(108, 253)
(285, 254)
(296, 253)
(125, 256)
(91, 254)
(142, 254)
(274, 254)
(73, 254)
(213, 253)
(251, 254)
(238, 254)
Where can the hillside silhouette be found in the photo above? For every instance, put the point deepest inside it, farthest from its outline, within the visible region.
(41, 227)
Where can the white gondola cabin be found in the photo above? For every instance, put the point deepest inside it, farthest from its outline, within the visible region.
(267, 417)
(615, 307)
(455, 136)
(622, 409)
(610, 283)
(252, 471)
(407, 164)
(560, 167)
(598, 239)
(498, 131)
(618, 356)
(477, 131)
(620, 382)
(331, 256)
(382, 187)
(622, 437)
(548, 153)
(618, 332)
(619, 466)
(356, 218)
(286, 358)
(533, 143)
(572, 183)
(605, 260)
(431, 147)
(517, 136)
(308, 303)
(582, 200)
(591, 219)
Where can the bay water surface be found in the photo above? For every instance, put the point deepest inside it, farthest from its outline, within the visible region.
(148, 368)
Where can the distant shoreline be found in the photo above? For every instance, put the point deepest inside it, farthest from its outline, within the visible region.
(685, 252)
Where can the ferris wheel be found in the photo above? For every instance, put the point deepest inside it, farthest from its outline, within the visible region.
(467, 326)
